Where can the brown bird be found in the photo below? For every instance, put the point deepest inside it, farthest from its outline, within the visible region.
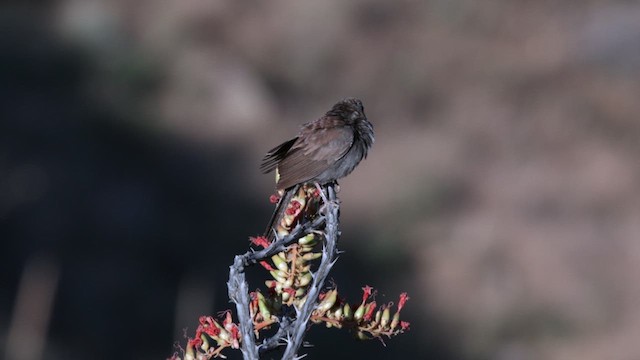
(324, 151)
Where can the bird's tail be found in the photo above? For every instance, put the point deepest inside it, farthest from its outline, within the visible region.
(278, 213)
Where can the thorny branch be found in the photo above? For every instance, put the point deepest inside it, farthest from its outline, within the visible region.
(329, 253)
(238, 288)
(295, 297)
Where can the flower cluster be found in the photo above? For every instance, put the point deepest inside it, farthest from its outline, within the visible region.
(210, 330)
(292, 274)
(291, 270)
(302, 206)
(368, 320)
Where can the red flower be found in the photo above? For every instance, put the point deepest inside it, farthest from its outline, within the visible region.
(204, 320)
(212, 331)
(274, 199)
(196, 342)
(260, 241)
(291, 291)
(235, 332)
(368, 290)
(404, 325)
(293, 207)
(369, 314)
(266, 265)
(403, 299)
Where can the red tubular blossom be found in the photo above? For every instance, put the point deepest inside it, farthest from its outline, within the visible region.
(208, 326)
(195, 342)
(235, 332)
(260, 241)
(404, 325)
(403, 299)
(206, 321)
(367, 291)
(293, 207)
(266, 265)
(274, 198)
(212, 331)
(370, 310)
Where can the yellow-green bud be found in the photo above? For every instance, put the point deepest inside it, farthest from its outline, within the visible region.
(224, 336)
(276, 275)
(205, 342)
(386, 314)
(300, 291)
(359, 313)
(395, 321)
(348, 313)
(329, 300)
(304, 279)
(338, 313)
(308, 239)
(378, 316)
(311, 256)
(189, 354)
(262, 305)
(280, 263)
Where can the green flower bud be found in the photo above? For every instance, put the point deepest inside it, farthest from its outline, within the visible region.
(262, 305)
(189, 354)
(308, 239)
(276, 275)
(386, 314)
(304, 279)
(224, 337)
(301, 291)
(280, 263)
(338, 313)
(348, 313)
(205, 342)
(311, 256)
(395, 321)
(359, 313)
(328, 301)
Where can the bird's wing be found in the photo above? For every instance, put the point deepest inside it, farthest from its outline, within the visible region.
(315, 150)
(273, 157)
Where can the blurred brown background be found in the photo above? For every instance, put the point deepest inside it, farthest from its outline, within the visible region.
(502, 191)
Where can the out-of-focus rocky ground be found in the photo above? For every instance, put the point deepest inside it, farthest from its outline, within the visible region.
(502, 191)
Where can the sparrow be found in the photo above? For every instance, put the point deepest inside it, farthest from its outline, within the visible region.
(324, 151)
